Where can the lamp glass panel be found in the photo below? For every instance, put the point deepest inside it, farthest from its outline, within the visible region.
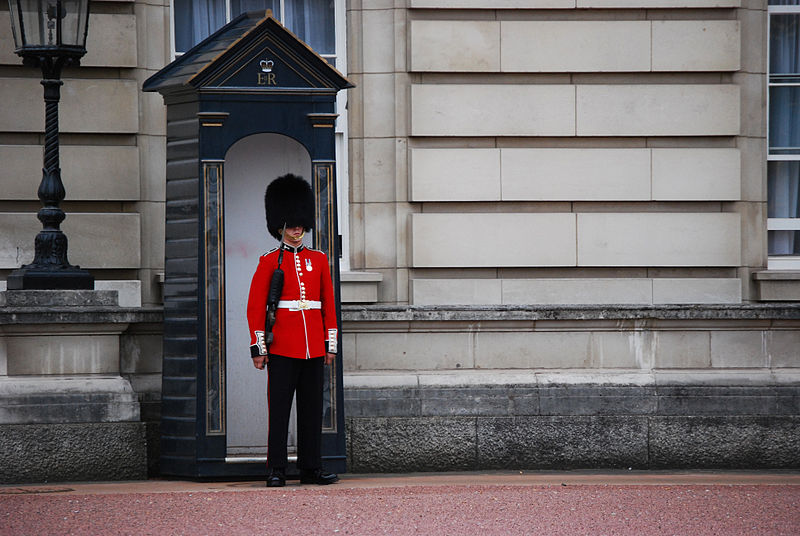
(13, 9)
(73, 22)
(39, 23)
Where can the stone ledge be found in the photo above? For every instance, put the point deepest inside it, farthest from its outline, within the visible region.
(67, 399)
(553, 396)
(360, 287)
(129, 293)
(440, 313)
(361, 277)
(80, 315)
(578, 377)
(555, 401)
(59, 298)
(777, 275)
(60, 409)
(77, 385)
(778, 285)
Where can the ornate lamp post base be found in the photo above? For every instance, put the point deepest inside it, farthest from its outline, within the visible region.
(50, 269)
(34, 278)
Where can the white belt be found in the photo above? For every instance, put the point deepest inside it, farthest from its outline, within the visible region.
(299, 305)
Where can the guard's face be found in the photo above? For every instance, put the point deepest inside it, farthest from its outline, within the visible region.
(293, 236)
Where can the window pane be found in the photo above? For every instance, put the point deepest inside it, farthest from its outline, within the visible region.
(784, 243)
(312, 21)
(783, 201)
(784, 120)
(783, 184)
(243, 6)
(195, 20)
(784, 55)
(784, 2)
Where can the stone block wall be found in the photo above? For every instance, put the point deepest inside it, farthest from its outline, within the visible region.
(429, 421)
(555, 387)
(112, 148)
(504, 144)
(565, 187)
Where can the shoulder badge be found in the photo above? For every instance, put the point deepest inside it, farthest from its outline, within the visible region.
(317, 251)
(270, 251)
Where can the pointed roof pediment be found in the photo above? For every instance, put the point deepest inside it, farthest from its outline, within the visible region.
(253, 52)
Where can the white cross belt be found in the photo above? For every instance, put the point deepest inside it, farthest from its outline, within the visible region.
(299, 305)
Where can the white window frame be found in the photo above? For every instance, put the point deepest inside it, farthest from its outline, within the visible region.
(339, 60)
(783, 262)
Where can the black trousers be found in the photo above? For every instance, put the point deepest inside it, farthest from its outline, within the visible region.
(288, 376)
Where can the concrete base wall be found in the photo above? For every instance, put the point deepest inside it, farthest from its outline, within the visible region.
(570, 426)
(72, 452)
(460, 443)
(559, 387)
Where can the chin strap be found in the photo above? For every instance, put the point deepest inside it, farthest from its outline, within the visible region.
(284, 230)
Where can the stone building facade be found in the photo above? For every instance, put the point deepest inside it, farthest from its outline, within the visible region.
(567, 204)
(555, 217)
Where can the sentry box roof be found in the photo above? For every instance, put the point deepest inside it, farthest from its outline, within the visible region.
(254, 52)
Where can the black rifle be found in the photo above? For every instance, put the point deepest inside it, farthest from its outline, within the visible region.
(274, 296)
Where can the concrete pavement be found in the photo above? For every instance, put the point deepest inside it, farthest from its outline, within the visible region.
(485, 478)
(510, 502)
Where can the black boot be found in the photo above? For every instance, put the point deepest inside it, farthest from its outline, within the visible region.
(276, 477)
(317, 476)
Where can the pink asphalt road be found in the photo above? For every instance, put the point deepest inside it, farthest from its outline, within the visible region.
(569, 503)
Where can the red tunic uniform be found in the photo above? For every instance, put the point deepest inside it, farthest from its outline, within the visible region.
(305, 322)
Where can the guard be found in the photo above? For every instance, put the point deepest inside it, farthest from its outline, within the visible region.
(291, 315)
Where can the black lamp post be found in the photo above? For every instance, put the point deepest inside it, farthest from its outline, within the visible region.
(50, 34)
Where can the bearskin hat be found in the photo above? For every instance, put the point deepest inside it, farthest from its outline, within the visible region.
(289, 201)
